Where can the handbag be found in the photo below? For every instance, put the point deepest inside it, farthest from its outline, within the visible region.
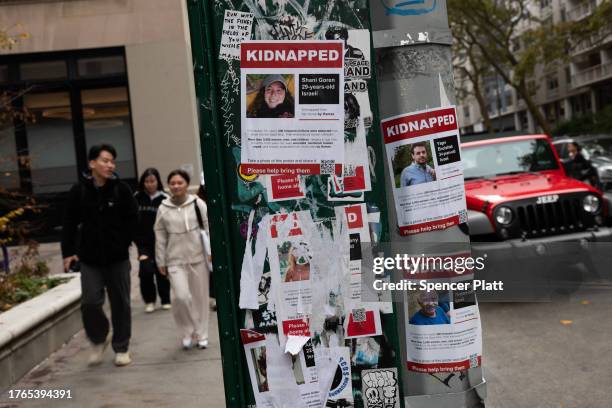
(203, 235)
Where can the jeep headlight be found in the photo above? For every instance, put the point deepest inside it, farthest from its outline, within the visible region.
(591, 203)
(503, 215)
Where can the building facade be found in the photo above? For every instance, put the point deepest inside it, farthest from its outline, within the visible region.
(562, 91)
(93, 71)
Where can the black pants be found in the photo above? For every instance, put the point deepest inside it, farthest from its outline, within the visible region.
(149, 275)
(115, 278)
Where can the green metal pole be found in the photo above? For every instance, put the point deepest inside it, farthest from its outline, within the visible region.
(200, 23)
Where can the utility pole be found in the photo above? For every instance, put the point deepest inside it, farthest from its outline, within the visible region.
(412, 43)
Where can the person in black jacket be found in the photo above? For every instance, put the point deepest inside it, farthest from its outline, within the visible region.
(106, 211)
(149, 196)
(579, 167)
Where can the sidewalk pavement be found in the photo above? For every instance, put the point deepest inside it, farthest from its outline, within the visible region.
(162, 374)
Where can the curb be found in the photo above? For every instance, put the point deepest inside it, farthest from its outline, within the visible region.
(33, 330)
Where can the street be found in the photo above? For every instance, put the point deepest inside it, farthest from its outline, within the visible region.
(553, 354)
(546, 355)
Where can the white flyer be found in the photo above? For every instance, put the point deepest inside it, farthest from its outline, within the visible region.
(292, 107)
(424, 159)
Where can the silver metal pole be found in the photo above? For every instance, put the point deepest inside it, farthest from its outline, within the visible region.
(412, 43)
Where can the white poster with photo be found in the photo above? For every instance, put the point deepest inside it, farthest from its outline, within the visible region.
(290, 255)
(269, 368)
(424, 161)
(280, 379)
(292, 107)
(443, 332)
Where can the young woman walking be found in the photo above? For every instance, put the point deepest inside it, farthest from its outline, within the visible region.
(180, 255)
(149, 196)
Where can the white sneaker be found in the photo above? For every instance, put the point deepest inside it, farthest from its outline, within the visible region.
(97, 351)
(202, 344)
(166, 306)
(150, 308)
(122, 359)
(187, 343)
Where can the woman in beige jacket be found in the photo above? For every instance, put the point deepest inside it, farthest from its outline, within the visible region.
(180, 255)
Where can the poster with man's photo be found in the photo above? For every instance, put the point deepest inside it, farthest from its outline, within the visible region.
(443, 332)
(424, 161)
(292, 107)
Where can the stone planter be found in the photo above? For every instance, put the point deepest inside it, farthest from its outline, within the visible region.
(31, 331)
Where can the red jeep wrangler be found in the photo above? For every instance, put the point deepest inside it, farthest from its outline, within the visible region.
(517, 189)
(540, 230)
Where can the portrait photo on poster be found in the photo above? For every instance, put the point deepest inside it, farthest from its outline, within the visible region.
(429, 308)
(294, 260)
(270, 96)
(413, 164)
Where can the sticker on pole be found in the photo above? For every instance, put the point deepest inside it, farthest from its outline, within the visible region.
(292, 107)
(426, 172)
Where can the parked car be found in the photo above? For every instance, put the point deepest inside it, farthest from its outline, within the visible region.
(531, 216)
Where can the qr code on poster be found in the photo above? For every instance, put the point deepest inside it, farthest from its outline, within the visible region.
(349, 170)
(328, 167)
(473, 360)
(359, 315)
(462, 216)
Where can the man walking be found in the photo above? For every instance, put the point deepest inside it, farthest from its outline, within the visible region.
(419, 171)
(106, 211)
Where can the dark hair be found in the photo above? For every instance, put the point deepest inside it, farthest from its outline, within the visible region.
(150, 172)
(351, 106)
(94, 151)
(341, 31)
(179, 172)
(576, 145)
(259, 108)
(202, 193)
(419, 144)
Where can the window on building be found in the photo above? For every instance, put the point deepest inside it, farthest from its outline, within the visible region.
(106, 116)
(73, 100)
(466, 112)
(43, 70)
(523, 120)
(50, 142)
(552, 83)
(532, 88)
(9, 167)
(3, 74)
(101, 66)
(508, 100)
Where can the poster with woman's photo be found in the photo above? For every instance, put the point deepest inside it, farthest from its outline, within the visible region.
(290, 256)
(292, 107)
(424, 161)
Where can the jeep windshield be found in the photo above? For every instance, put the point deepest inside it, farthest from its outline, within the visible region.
(498, 159)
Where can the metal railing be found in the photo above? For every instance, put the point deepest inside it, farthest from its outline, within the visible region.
(604, 36)
(581, 11)
(593, 74)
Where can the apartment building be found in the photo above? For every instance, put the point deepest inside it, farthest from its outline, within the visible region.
(562, 90)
